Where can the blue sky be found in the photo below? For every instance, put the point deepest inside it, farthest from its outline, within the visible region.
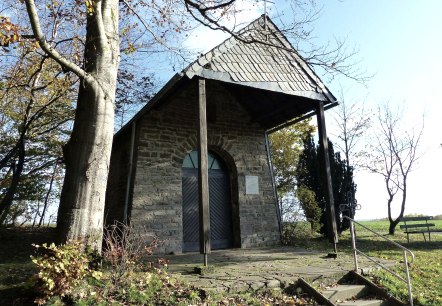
(400, 42)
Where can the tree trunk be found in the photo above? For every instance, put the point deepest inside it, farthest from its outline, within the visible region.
(392, 227)
(37, 214)
(46, 202)
(87, 153)
(394, 223)
(6, 202)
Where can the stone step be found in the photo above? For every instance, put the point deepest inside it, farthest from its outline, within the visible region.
(344, 292)
(363, 303)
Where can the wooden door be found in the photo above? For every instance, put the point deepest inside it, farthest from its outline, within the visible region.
(219, 202)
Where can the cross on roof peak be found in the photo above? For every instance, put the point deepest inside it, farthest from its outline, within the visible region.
(265, 12)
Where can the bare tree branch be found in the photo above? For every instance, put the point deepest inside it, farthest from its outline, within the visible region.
(54, 54)
(394, 155)
(352, 121)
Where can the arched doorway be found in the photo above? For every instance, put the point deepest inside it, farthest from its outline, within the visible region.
(221, 228)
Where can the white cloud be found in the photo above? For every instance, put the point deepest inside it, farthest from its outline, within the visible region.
(203, 39)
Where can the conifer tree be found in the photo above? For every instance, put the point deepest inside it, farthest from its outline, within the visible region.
(309, 177)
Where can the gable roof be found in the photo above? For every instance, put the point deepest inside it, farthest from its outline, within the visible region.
(260, 65)
(260, 56)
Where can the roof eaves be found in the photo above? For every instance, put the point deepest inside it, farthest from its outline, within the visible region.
(270, 86)
(152, 102)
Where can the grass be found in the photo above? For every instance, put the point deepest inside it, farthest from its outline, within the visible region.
(426, 271)
(16, 267)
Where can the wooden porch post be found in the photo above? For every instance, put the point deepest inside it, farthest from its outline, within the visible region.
(323, 143)
(203, 177)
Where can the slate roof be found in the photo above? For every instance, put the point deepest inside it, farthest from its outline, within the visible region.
(261, 58)
(270, 78)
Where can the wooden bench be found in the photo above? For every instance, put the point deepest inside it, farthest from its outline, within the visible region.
(416, 225)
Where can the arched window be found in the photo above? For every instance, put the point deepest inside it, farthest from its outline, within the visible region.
(191, 161)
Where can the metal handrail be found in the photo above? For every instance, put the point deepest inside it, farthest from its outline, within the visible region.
(404, 252)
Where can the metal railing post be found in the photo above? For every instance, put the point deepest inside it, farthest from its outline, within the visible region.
(357, 252)
(353, 245)
(407, 273)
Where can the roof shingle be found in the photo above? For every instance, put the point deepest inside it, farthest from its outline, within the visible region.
(257, 56)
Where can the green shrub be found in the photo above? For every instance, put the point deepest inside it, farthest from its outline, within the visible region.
(61, 268)
(296, 233)
(310, 206)
(67, 274)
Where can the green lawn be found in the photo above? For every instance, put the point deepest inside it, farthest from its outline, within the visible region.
(425, 271)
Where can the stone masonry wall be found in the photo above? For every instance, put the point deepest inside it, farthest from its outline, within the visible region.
(166, 133)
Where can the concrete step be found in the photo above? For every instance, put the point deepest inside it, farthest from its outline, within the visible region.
(344, 292)
(363, 303)
(349, 292)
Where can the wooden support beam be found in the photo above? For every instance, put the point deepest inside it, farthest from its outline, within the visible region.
(325, 165)
(272, 175)
(203, 177)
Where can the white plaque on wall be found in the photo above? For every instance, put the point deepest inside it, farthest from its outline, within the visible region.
(252, 186)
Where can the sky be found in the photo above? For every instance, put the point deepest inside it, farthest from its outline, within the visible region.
(400, 43)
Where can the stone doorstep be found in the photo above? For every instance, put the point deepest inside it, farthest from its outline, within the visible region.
(273, 284)
(341, 295)
(234, 285)
(363, 303)
(254, 285)
(344, 292)
(229, 282)
(239, 287)
(243, 284)
(255, 269)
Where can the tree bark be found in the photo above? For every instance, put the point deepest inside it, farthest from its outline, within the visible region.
(392, 227)
(46, 202)
(37, 214)
(87, 153)
(389, 202)
(6, 202)
(394, 223)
